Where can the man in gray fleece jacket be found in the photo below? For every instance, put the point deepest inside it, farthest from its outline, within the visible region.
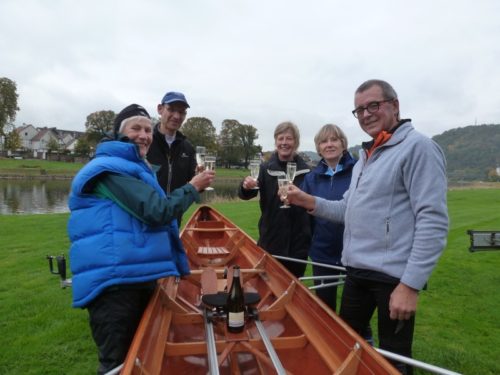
(395, 217)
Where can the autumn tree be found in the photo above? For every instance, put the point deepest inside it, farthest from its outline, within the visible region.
(237, 142)
(248, 135)
(229, 144)
(82, 147)
(201, 132)
(12, 140)
(98, 124)
(8, 103)
(53, 146)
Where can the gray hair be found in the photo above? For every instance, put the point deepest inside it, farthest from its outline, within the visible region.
(127, 120)
(388, 91)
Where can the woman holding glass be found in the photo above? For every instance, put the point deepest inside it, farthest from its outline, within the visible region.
(124, 234)
(283, 232)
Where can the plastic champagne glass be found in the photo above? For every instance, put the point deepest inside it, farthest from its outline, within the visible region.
(209, 162)
(254, 171)
(291, 170)
(283, 191)
(200, 155)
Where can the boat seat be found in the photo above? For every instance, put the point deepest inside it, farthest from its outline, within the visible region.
(211, 250)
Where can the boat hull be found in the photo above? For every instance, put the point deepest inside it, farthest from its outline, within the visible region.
(179, 334)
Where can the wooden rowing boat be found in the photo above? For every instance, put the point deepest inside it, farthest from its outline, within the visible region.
(287, 330)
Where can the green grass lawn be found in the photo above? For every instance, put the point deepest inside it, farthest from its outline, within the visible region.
(37, 167)
(31, 167)
(457, 321)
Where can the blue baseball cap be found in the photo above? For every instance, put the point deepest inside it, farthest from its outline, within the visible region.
(172, 97)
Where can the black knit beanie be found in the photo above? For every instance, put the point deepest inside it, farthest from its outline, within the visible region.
(127, 112)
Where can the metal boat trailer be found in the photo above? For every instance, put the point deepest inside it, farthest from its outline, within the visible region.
(484, 240)
(341, 278)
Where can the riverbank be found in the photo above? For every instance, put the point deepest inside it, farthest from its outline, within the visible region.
(43, 169)
(37, 169)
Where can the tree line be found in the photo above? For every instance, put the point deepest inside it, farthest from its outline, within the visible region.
(472, 152)
(234, 145)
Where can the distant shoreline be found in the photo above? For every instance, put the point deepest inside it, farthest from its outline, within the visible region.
(35, 177)
(452, 185)
(455, 185)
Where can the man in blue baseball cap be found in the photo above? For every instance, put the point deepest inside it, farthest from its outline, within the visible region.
(171, 150)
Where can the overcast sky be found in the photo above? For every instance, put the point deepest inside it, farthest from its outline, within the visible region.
(259, 62)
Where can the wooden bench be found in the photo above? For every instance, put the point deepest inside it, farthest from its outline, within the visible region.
(210, 250)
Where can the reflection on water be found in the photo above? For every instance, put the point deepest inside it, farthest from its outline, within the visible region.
(34, 196)
(51, 196)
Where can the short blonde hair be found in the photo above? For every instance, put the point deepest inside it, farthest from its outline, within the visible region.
(327, 131)
(291, 127)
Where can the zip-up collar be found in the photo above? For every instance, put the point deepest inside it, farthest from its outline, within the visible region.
(346, 162)
(368, 145)
(160, 137)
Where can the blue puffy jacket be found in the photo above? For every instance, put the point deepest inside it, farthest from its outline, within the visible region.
(110, 246)
(327, 238)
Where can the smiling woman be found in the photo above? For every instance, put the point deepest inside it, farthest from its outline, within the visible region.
(284, 232)
(124, 235)
(138, 129)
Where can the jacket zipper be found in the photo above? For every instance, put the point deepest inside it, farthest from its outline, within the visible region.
(387, 233)
(359, 177)
(169, 178)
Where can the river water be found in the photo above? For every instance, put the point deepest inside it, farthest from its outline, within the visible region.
(51, 196)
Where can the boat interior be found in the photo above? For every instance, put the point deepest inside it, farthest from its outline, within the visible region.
(287, 329)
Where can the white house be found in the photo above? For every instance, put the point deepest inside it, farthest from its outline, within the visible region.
(71, 145)
(27, 132)
(36, 140)
(40, 142)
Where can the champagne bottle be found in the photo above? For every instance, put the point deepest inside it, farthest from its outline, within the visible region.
(235, 304)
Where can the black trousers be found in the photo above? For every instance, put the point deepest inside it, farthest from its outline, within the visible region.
(327, 295)
(296, 268)
(360, 298)
(114, 316)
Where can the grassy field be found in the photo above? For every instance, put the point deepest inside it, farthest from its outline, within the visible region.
(457, 322)
(34, 167)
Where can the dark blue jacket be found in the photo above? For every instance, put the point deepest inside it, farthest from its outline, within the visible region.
(109, 245)
(327, 238)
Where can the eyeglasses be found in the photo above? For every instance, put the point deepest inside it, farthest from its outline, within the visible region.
(371, 108)
(176, 109)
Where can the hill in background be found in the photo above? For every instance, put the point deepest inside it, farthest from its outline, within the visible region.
(472, 152)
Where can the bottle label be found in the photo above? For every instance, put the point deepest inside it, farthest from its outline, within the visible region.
(236, 319)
